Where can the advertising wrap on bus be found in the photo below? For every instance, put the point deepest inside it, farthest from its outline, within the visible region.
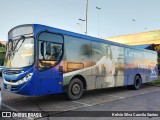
(101, 64)
(141, 62)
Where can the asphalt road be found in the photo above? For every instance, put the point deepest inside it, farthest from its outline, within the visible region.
(113, 99)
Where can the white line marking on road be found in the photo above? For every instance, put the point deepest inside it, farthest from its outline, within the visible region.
(115, 96)
(81, 103)
(143, 93)
(11, 108)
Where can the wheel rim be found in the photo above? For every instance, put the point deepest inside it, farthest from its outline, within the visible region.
(76, 89)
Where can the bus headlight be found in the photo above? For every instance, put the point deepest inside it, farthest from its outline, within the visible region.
(25, 79)
(20, 81)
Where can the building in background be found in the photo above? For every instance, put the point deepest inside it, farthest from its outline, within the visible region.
(146, 40)
(151, 37)
(3, 43)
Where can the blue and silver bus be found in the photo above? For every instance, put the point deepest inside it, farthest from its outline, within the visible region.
(43, 60)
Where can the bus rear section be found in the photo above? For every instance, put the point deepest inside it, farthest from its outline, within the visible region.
(140, 67)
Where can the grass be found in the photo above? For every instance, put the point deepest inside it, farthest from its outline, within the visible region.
(156, 81)
(2, 55)
(2, 49)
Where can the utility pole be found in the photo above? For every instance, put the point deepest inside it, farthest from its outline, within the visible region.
(79, 26)
(98, 8)
(86, 17)
(82, 20)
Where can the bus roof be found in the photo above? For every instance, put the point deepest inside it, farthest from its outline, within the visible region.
(39, 27)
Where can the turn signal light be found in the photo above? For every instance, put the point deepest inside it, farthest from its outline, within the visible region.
(59, 83)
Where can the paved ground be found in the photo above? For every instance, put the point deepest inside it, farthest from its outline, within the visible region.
(115, 99)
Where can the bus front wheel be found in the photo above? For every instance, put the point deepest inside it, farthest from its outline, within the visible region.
(75, 89)
(137, 83)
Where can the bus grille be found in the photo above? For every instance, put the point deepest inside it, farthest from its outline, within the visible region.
(11, 72)
(13, 88)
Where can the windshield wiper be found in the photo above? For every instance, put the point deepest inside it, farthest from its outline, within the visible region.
(14, 50)
(21, 38)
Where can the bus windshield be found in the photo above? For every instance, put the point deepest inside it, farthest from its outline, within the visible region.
(20, 53)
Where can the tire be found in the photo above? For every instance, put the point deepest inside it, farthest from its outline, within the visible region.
(137, 82)
(75, 89)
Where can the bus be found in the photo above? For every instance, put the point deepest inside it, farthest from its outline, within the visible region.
(42, 60)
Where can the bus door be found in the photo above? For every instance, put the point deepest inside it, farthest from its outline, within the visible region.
(49, 63)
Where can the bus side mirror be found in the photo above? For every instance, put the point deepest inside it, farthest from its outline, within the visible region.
(42, 49)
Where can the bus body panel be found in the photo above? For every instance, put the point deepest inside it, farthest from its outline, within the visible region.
(90, 60)
(142, 63)
(49, 81)
(24, 89)
(100, 63)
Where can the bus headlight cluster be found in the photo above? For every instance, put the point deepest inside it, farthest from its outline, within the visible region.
(25, 79)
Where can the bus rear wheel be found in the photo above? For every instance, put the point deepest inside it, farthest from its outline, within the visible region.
(75, 89)
(137, 83)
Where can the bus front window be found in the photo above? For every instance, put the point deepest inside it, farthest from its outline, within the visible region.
(20, 53)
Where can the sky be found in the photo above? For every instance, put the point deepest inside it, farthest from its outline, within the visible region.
(115, 16)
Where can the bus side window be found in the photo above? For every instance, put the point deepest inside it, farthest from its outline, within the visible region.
(54, 52)
(49, 54)
(48, 48)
